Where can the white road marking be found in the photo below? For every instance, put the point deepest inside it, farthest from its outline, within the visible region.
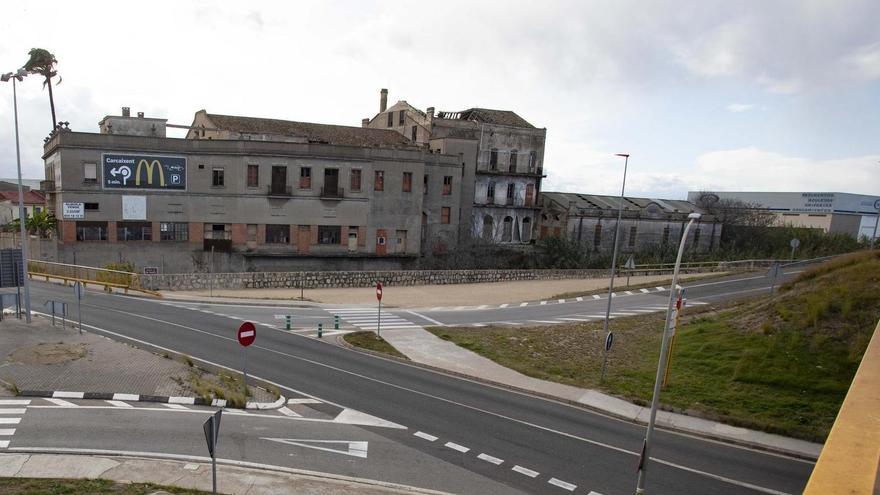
(425, 436)
(354, 449)
(419, 315)
(697, 303)
(7, 432)
(303, 400)
(134, 397)
(62, 403)
(12, 411)
(614, 294)
(4, 444)
(455, 446)
(478, 325)
(561, 301)
(660, 288)
(642, 310)
(597, 296)
(483, 306)
(579, 299)
(10, 421)
(67, 395)
(562, 484)
(526, 471)
(489, 458)
(622, 313)
(504, 305)
(182, 400)
(353, 417)
(459, 308)
(438, 308)
(644, 291)
(629, 293)
(287, 412)
(178, 406)
(542, 303)
(574, 319)
(546, 321)
(118, 403)
(15, 402)
(523, 304)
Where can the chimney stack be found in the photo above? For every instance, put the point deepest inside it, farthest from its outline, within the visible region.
(126, 112)
(365, 122)
(383, 100)
(140, 115)
(429, 112)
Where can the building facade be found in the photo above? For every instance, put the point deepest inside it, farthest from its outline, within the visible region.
(244, 194)
(646, 223)
(501, 155)
(851, 214)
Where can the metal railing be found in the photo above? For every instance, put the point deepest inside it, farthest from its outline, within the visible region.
(102, 277)
(280, 190)
(332, 193)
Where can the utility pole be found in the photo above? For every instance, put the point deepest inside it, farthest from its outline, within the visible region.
(614, 261)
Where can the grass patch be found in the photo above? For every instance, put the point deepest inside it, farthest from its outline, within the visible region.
(369, 341)
(781, 364)
(11, 386)
(222, 386)
(40, 486)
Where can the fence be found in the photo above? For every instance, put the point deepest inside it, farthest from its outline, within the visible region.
(109, 279)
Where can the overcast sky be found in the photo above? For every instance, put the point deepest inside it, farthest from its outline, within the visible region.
(764, 95)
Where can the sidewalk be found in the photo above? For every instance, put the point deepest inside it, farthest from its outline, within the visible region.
(193, 473)
(424, 347)
(40, 357)
(420, 296)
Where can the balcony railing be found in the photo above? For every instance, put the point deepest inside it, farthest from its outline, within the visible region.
(47, 185)
(332, 193)
(280, 190)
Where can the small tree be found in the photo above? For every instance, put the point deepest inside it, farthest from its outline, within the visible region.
(43, 63)
(731, 211)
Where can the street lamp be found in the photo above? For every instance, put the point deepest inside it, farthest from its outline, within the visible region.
(614, 261)
(18, 76)
(667, 330)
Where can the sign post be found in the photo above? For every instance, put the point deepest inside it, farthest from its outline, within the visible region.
(794, 245)
(773, 274)
(212, 434)
(78, 292)
(247, 334)
(379, 314)
(630, 265)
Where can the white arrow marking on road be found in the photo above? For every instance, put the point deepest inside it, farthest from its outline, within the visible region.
(352, 417)
(354, 449)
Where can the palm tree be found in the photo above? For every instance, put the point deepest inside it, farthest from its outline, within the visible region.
(43, 63)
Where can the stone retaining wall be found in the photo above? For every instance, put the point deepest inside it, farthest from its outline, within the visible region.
(325, 280)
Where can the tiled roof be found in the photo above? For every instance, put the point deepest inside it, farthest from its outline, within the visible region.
(316, 133)
(488, 116)
(30, 197)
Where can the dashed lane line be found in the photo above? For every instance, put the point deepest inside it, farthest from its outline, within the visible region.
(425, 436)
(489, 458)
(526, 471)
(562, 484)
(455, 446)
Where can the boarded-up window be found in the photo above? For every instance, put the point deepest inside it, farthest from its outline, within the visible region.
(445, 213)
(379, 180)
(356, 180)
(407, 182)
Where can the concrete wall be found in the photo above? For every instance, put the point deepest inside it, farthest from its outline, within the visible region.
(331, 279)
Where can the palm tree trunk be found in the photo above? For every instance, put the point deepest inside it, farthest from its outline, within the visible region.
(51, 103)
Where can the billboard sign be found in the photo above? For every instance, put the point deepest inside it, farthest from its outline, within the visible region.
(73, 210)
(144, 172)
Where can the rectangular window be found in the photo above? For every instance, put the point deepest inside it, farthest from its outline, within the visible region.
(217, 231)
(90, 173)
(493, 159)
(530, 194)
(447, 185)
(511, 190)
(173, 231)
(252, 232)
(401, 119)
(305, 177)
(134, 231)
(90, 206)
(390, 119)
(415, 133)
(631, 241)
(277, 234)
(91, 231)
(597, 236)
(425, 183)
(407, 182)
(533, 161)
(445, 213)
(329, 234)
(490, 192)
(253, 176)
(356, 180)
(512, 160)
(217, 179)
(379, 181)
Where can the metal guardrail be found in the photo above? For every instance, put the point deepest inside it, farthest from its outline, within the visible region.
(88, 275)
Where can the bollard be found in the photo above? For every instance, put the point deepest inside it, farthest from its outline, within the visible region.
(287, 322)
(336, 322)
(320, 330)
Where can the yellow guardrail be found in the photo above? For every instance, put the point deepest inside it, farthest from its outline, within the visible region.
(88, 275)
(850, 460)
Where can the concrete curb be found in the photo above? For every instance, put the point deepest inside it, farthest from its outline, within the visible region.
(636, 419)
(250, 468)
(163, 399)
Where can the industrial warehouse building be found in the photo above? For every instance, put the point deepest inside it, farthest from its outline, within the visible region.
(242, 194)
(851, 214)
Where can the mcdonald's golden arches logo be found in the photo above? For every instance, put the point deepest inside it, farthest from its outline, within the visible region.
(149, 169)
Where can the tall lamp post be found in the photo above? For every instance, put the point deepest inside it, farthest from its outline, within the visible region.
(18, 76)
(614, 259)
(664, 344)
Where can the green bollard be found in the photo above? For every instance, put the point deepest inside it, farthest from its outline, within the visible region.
(320, 330)
(336, 322)
(287, 322)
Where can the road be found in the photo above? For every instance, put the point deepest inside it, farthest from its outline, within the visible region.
(542, 446)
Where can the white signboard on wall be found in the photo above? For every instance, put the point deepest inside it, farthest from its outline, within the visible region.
(134, 207)
(73, 210)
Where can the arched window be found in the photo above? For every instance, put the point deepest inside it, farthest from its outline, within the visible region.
(488, 228)
(526, 229)
(507, 232)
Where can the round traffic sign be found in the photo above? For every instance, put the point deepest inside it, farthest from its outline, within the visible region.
(794, 243)
(247, 333)
(379, 291)
(609, 339)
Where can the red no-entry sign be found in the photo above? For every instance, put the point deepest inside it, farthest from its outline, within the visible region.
(379, 291)
(247, 334)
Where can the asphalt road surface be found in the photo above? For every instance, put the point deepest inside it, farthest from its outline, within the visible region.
(494, 435)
